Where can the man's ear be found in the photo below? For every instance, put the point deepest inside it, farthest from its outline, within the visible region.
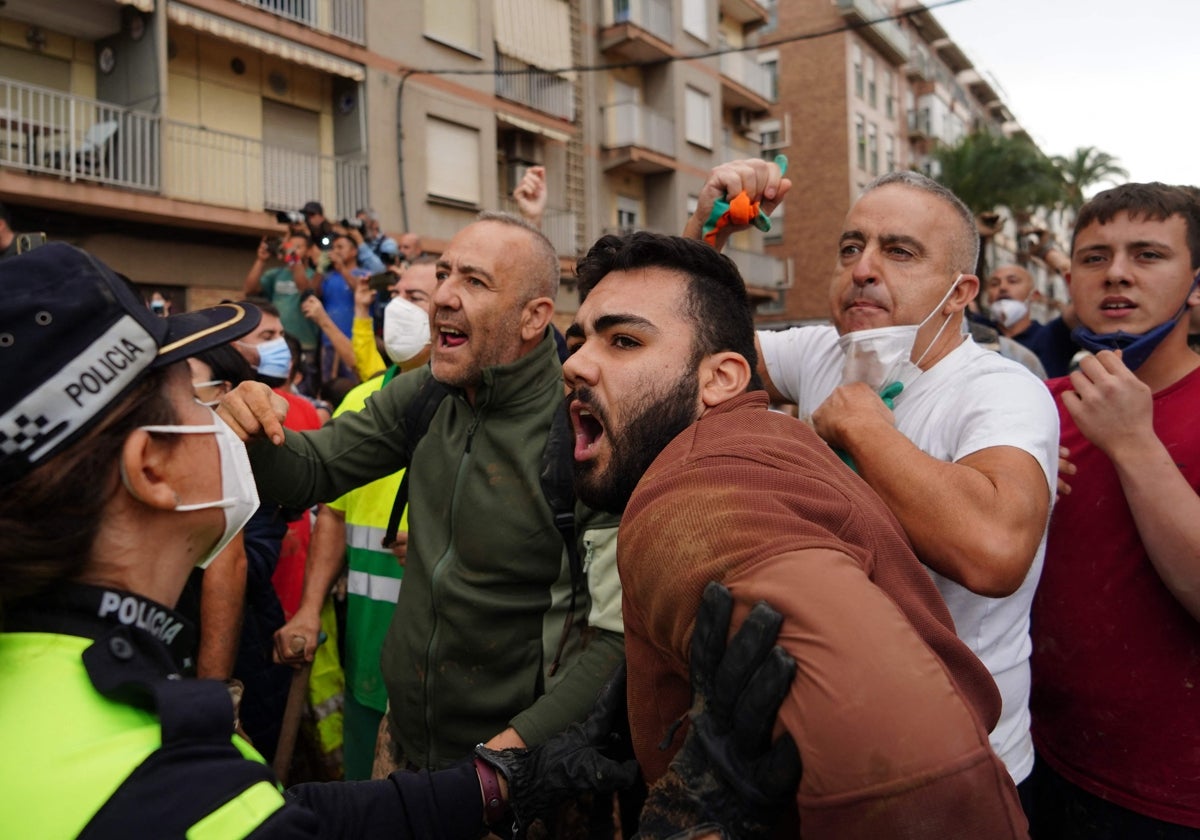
(145, 470)
(535, 318)
(723, 376)
(965, 292)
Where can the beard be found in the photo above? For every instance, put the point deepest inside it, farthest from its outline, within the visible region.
(654, 421)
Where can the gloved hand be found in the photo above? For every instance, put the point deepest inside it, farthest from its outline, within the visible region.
(728, 772)
(587, 757)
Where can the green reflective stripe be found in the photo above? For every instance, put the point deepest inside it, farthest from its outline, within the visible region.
(373, 587)
(240, 815)
(365, 537)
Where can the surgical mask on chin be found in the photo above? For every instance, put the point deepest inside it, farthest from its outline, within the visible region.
(274, 358)
(239, 494)
(882, 356)
(1135, 348)
(405, 329)
(1007, 312)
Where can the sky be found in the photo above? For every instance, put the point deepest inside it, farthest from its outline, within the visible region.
(1120, 75)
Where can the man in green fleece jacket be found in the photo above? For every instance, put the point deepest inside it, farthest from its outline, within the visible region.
(487, 583)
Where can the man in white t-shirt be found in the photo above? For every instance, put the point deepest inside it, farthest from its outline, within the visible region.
(967, 455)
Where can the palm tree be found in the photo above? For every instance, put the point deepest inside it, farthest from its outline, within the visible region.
(988, 171)
(1086, 167)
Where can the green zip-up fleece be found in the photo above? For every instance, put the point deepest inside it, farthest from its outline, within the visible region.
(486, 583)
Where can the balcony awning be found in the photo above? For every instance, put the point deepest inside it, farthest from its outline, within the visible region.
(238, 33)
(537, 32)
(532, 127)
(146, 6)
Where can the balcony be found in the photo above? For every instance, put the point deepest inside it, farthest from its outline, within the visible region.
(637, 30)
(343, 18)
(761, 270)
(745, 83)
(637, 139)
(76, 138)
(919, 124)
(537, 89)
(558, 224)
(750, 14)
(214, 167)
(877, 28)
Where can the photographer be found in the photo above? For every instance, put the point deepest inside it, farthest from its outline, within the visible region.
(285, 286)
(379, 243)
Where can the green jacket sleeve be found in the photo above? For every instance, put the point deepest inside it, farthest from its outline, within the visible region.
(569, 699)
(347, 452)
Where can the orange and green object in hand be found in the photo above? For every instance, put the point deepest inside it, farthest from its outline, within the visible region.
(738, 211)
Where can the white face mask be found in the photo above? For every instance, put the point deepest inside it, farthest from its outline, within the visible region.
(275, 358)
(1007, 311)
(883, 355)
(405, 329)
(238, 490)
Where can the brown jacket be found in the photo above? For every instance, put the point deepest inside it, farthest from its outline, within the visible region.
(889, 710)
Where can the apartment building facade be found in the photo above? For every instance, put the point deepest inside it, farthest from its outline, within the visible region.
(162, 134)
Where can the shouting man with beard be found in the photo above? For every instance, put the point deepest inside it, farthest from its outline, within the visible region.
(889, 710)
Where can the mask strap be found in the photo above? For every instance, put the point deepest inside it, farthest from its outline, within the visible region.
(942, 328)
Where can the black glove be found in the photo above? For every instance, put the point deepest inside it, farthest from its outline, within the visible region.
(585, 758)
(728, 772)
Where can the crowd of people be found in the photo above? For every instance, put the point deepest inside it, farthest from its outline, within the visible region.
(963, 578)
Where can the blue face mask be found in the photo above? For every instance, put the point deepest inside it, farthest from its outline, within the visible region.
(1135, 349)
(274, 358)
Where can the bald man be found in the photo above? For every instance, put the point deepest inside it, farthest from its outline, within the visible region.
(1009, 292)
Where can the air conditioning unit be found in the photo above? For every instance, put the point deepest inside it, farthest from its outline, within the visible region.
(522, 147)
(743, 119)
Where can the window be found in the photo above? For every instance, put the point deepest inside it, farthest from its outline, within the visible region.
(889, 93)
(695, 18)
(856, 53)
(697, 111)
(890, 153)
(452, 162)
(860, 140)
(871, 98)
(769, 62)
(873, 148)
(453, 22)
(628, 211)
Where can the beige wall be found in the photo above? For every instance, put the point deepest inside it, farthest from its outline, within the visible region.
(22, 63)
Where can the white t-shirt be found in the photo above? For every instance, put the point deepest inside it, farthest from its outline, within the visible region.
(970, 400)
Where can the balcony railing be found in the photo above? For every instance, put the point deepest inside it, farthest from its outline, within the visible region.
(884, 33)
(539, 90)
(558, 225)
(215, 167)
(760, 269)
(80, 139)
(630, 124)
(743, 69)
(652, 15)
(343, 18)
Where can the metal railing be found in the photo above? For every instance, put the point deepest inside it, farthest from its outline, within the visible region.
(558, 224)
(215, 167)
(344, 18)
(80, 139)
(748, 73)
(919, 121)
(652, 15)
(538, 89)
(760, 269)
(631, 124)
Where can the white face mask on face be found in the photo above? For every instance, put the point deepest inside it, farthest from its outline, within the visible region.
(882, 356)
(1007, 311)
(238, 490)
(405, 329)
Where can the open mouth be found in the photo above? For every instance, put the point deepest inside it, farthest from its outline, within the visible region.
(449, 337)
(589, 431)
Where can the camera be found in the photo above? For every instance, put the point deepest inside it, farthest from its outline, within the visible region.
(28, 241)
(355, 224)
(382, 282)
(274, 245)
(288, 217)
